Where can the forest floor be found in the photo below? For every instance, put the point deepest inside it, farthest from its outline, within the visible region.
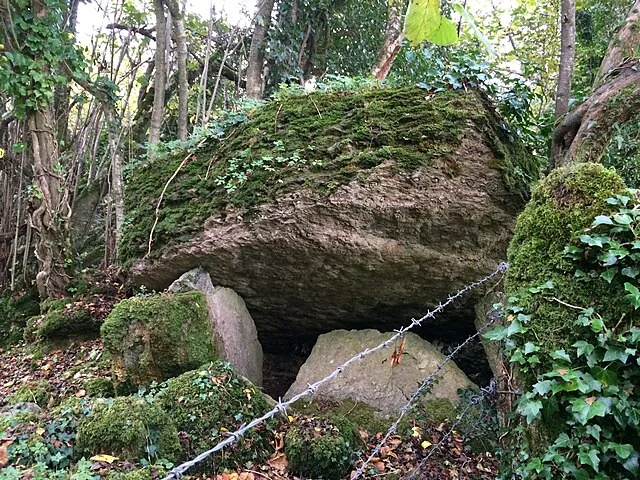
(65, 372)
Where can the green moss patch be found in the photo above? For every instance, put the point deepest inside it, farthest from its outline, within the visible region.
(15, 310)
(316, 142)
(38, 392)
(561, 208)
(158, 337)
(207, 402)
(321, 447)
(128, 428)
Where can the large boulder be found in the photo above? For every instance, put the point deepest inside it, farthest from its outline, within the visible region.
(157, 337)
(233, 329)
(336, 210)
(374, 380)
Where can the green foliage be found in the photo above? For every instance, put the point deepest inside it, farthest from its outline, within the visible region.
(208, 402)
(129, 428)
(323, 448)
(41, 471)
(36, 52)
(580, 407)
(99, 387)
(424, 22)
(52, 445)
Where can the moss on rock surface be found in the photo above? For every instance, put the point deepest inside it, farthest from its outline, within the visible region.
(38, 392)
(561, 208)
(129, 428)
(323, 448)
(212, 400)
(158, 337)
(317, 142)
(14, 313)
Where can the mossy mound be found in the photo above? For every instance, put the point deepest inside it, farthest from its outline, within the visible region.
(316, 142)
(562, 206)
(38, 392)
(157, 337)
(324, 448)
(207, 402)
(361, 415)
(99, 387)
(15, 310)
(129, 428)
(60, 320)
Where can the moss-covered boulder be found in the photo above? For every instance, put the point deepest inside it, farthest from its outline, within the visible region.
(561, 208)
(15, 310)
(322, 447)
(157, 337)
(207, 402)
(129, 428)
(339, 210)
(61, 320)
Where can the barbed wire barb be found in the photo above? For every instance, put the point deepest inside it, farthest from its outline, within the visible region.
(417, 393)
(178, 471)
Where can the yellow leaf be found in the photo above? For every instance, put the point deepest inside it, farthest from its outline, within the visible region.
(104, 458)
(1, 150)
(426, 444)
(416, 432)
(40, 431)
(290, 418)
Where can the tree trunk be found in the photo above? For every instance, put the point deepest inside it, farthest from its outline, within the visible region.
(160, 78)
(256, 51)
(585, 133)
(392, 42)
(567, 56)
(180, 37)
(50, 218)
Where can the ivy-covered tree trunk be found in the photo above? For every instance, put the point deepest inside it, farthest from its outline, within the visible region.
(584, 133)
(50, 217)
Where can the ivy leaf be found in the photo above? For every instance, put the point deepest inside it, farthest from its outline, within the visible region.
(622, 219)
(530, 409)
(496, 334)
(609, 274)
(590, 458)
(561, 355)
(583, 347)
(587, 408)
(543, 387)
(591, 241)
(602, 220)
(633, 296)
(632, 464)
(623, 450)
(530, 347)
(594, 431)
(614, 353)
(631, 272)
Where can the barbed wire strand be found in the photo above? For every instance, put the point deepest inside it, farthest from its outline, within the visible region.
(416, 394)
(281, 407)
(476, 399)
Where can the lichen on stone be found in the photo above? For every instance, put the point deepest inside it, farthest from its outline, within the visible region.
(317, 143)
(157, 337)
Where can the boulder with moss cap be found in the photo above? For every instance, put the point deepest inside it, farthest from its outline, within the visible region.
(157, 337)
(337, 210)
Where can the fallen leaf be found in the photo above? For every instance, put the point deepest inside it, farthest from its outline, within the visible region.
(81, 393)
(590, 400)
(379, 466)
(426, 444)
(278, 462)
(4, 456)
(104, 458)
